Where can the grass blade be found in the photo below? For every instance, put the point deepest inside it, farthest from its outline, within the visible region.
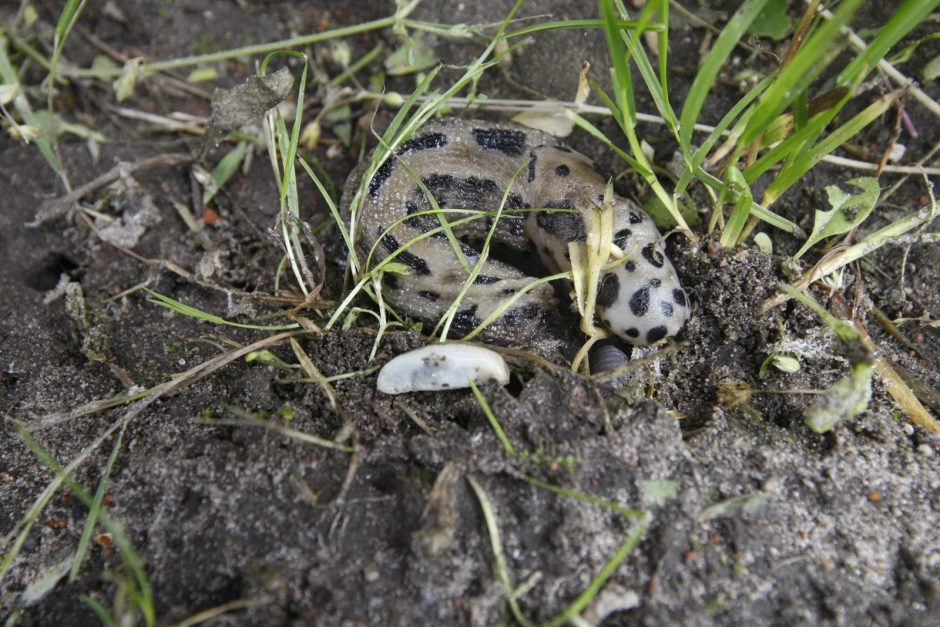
(714, 61)
(796, 77)
(693, 168)
(63, 28)
(192, 312)
(904, 19)
(793, 171)
(95, 509)
(494, 422)
(499, 557)
(129, 556)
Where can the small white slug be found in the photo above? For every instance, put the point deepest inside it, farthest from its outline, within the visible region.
(468, 164)
(442, 367)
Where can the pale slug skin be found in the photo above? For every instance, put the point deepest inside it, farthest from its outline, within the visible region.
(468, 164)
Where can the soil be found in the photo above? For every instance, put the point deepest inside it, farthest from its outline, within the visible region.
(752, 517)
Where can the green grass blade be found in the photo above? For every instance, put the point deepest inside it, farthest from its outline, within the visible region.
(793, 171)
(494, 422)
(129, 555)
(730, 35)
(20, 532)
(67, 19)
(224, 171)
(655, 84)
(99, 610)
(629, 512)
(620, 70)
(904, 19)
(741, 193)
(796, 77)
(693, 167)
(573, 611)
(632, 25)
(95, 508)
(400, 129)
(623, 91)
(499, 556)
(334, 210)
(663, 54)
(291, 221)
(190, 311)
(790, 146)
(381, 153)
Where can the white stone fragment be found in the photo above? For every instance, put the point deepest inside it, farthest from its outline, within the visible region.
(442, 367)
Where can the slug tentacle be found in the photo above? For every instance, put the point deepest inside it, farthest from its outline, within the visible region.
(466, 166)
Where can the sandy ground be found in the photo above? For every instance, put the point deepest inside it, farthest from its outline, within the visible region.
(748, 517)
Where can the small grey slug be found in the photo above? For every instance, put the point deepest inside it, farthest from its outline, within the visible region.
(467, 164)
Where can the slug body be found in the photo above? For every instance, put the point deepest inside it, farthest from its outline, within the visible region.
(469, 165)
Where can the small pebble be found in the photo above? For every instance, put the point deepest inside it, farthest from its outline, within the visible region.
(442, 367)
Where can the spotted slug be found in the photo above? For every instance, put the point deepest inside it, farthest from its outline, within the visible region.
(468, 164)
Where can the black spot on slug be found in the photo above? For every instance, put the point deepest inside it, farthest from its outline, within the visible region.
(562, 170)
(666, 307)
(411, 209)
(484, 185)
(514, 317)
(679, 296)
(390, 280)
(465, 320)
(483, 279)
(470, 254)
(439, 182)
(381, 175)
(506, 141)
(653, 256)
(630, 266)
(469, 193)
(640, 302)
(516, 226)
(567, 226)
(431, 296)
(532, 159)
(422, 142)
(621, 237)
(654, 283)
(508, 291)
(410, 259)
(423, 223)
(609, 290)
(655, 334)
(632, 332)
(635, 218)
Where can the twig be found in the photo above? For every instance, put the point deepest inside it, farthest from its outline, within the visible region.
(56, 207)
(894, 169)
